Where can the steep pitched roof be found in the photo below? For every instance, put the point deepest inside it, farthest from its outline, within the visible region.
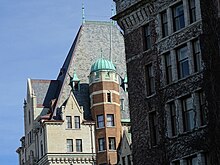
(86, 48)
(44, 90)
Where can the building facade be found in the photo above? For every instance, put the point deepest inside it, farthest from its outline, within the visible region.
(172, 56)
(62, 116)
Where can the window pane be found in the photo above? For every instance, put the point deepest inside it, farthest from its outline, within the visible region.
(150, 81)
(69, 121)
(69, 145)
(178, 17)
(188, 114)
(78, 145)
(168, 67)
(110, 120)
(192, 11)
(100, 121)
(173, 118)
(153, 128)
(77, 122)
(101, 144)
(147, 37)
(183, 62)
(197, 56)
(111, 143)
(164, 24)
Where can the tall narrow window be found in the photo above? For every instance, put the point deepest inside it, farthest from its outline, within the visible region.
(41, 148)
(69, 145)
(164, 24)
(192, 11)
(197, 56)
(109, 98)
(122, 104)
(29, 116)
(101, 144)
(188, 114)
(68, 121)
(78, 145)
(182, 62)
(202, 108)
(100, 121)
(111, 145)
(178, 17)
(129, 159)
(153, 128)
(110, 120)
(77, 122)
(173, 118)
(123, 161)
(147, 37)
(150, 81)
(168, 67)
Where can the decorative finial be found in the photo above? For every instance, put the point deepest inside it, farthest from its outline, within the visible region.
(83, 13)
(101, 53)
(112, 14)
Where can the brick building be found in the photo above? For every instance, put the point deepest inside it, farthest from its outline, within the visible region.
(173, 66)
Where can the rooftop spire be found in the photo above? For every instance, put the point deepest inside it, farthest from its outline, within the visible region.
(83, 13)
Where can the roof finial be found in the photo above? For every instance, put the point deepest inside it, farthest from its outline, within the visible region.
(112, 14)
(101, 53)
(83, 13)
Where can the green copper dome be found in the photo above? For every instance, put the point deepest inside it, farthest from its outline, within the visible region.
(102, 64)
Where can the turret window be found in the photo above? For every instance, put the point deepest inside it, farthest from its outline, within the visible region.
(109, 98)
(101, 144)
(110, 120)
(100, 121)
(111, 141)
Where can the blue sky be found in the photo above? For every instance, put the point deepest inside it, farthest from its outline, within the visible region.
(35, 37)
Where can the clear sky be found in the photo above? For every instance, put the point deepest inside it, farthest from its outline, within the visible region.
(35, 37)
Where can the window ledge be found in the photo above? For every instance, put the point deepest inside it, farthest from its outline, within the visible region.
(149, 96)
(100, 128)
(102, 151)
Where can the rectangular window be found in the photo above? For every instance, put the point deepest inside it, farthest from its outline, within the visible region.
(168, 67)
(109, 99)
(147, 37)
(123, 161)
(110, 120)
(68, 121)
(202, 108)
(129, 159)
(100, 121)
(150, 80)
(41, 148)
(101, 144)
(192, 11)
(197, 56)
(69, 143)
(153, 128)
(178, 17)
(188, 114)
(78, 145)
(182, 62)
(191, 160)
(77, 122)
(112, 145)
(164, 24)
(172, 109)
(122, 104)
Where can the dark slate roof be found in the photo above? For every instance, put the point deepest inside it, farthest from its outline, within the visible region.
(92, 37)
(45, 91)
